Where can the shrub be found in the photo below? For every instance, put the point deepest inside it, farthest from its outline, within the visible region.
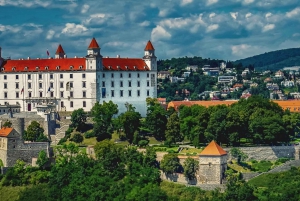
(253, 161)
(89, 134)
(143, 143)
(62, 141)
(68, 132)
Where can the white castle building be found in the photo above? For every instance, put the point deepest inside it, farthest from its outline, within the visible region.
(66, 84)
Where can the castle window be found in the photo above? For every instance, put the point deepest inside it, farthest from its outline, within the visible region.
(103, 75)
(112, 93)
(138, 75)
(5, 94)
(29, 76)
(112, 75)
(5, 77)
(29, 85)
(148, 92)
(17, 77)
(61, 85)
(17, 94)
(29, 94)
(51, 94)
(46, 68)
(14, 69)
(5, 85)
(129, 83)
(62, 104)
(138, 93)
(26, 68)
(121, 83)
(61, 94)
(71, 104)
(121, 93)
(71, 67)
(134, 67)
(129, 75)
(51, 76)
(71, 94)
(138, 83)
(61, 76)
(57, 67)
(129, 93)
(147, 74)
(112, 84)
(71, 85)
(17, 85)
(121, 75)
(83, 75)
(40, 76)
(148, 83)
(41, 94)
(37, 68)
(83, 104)
(84, 94)
(40, 85)
(71, 75)
(80, 67)
(103, 84)
(83, 84)
(51, 84)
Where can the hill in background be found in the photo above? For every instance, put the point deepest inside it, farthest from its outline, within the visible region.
(273, 60)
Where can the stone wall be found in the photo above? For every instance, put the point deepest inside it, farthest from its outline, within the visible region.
(267, 153)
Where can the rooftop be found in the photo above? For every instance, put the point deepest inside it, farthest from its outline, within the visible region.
(213, 149)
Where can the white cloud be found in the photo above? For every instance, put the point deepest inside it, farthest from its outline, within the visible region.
(85, 8)
(212, 27)
(248, 15)
(268, 27)
(293, 12)
(246, 2)
(8, 28)
(74, 29)
(176, 23)
(210, 2)
(145, 23)
(234, 15)
(25, 3)
(239, 49)
(96, 18)
(159, 33)
(185, 2)
(163, 12)
(50, 34)
(268, 15)
(212, 15)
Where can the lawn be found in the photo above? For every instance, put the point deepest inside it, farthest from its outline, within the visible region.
(191, 151)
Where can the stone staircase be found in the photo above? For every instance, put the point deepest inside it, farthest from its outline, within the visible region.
(60, 132)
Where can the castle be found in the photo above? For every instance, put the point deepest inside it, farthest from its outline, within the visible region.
(13, 147)
(66, 84)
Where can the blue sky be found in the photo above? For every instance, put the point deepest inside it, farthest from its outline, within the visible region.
(229, 30)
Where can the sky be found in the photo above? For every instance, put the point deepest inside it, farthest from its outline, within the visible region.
(216, 29)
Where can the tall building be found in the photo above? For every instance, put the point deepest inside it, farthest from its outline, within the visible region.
(66, 84)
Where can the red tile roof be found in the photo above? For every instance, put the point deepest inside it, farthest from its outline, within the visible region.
(93, 44)
(124, 64)
(149, 46)
(60, 50)
(63, 64)
(4, 132)
(213, 149)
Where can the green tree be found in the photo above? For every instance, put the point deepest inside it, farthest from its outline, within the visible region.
(170, 163)
(78, 119)
(77, 137)
(238, 154)
(172, 132)
(42, 159)
(156, 120)
(35, 133)
(130, 121)
(102, 116)
(7, 124)
(190, 167)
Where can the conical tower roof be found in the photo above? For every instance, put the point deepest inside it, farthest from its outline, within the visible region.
(93, 44)
(149, 46)
(213, 149)
(60, 50)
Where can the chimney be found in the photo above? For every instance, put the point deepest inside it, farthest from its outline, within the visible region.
(118, 56)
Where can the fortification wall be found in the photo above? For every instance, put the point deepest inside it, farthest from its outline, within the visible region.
(25, 152)
(267, 153)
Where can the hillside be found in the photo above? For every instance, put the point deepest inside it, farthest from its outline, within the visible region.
(273, 60)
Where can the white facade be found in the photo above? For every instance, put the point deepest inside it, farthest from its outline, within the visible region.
(73, 83)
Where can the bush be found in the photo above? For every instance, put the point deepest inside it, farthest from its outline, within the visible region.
(89, 134)
(68, 132)
(143, 143)
(253, 161)
(62, 141)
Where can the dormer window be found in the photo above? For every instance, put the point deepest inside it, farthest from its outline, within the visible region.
(118, 67)
(37, 68)
(126, 67)
(80, 67)
(46, 68)
(71, 67)
(26, 68)
(57, 67)
(109, 67)
(145, 67)
(134, 67)
(2, 69)
(13, 68)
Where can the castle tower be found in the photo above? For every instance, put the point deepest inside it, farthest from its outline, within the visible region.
(213, 163)
(93, 58)
(18, 124)
(149, 56)
(60, 53)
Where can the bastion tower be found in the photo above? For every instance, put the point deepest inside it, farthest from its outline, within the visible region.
(212, 164)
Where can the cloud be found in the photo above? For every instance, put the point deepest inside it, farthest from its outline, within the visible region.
(185, 2)
(234, 15)
(97, 18)
(293, 13)
(50, 34)
(246, 2)
(25, 3)
(268, 27)
(163, 12)
(85, 8)
(211, 2)
(8, 28)
(159, 33)
(73, 29)
(239, 49)
(144, 24)
(212, 27)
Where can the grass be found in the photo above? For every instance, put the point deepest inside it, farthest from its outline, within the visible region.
(9, 193)
(191, 151)
(237, 167)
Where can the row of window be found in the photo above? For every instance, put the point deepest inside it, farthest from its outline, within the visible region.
(41, 94)
(69, 85)
(40, 76)
(112, 83)
(121, 75)
(121, 93)
(72, 104)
